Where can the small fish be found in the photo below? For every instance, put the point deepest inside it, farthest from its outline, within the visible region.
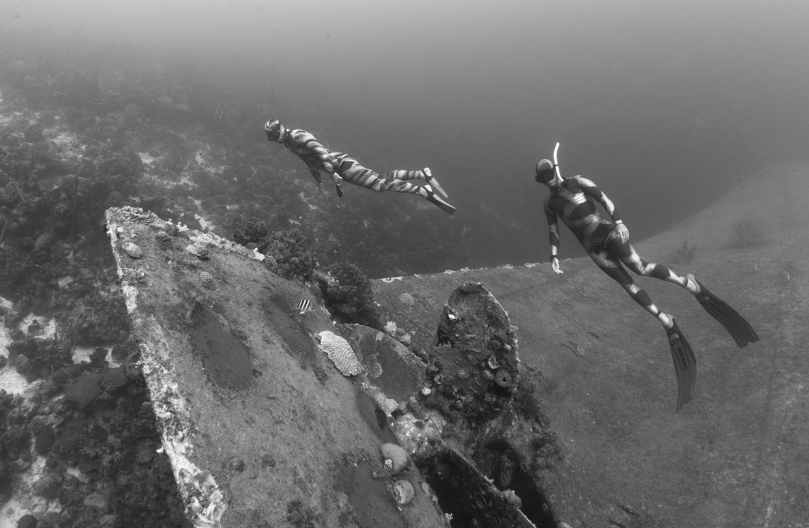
(303, 306)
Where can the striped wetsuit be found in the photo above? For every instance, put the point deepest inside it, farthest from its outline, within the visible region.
(573, 202)
(317, 158)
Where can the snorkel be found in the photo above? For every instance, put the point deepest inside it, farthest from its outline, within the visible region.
(556, 162)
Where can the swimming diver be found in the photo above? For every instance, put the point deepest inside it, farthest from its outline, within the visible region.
(607, 243)
(343, 167)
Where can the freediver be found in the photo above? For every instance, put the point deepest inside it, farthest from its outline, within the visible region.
(607, 244)
(343, 167)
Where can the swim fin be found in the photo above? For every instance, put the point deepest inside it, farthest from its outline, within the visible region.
(685, 365)
(432, 181)
(735, 324)
(444, 206)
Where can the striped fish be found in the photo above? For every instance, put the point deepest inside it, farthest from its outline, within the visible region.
(303, 306)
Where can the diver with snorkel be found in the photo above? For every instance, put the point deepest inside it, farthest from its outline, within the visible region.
(607, 244)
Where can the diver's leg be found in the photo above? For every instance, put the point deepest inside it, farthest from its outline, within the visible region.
(423, 174)
(627, 254)
(355, 173)
(610, 265)
(351, 171)
(406, 174)
(685, 364)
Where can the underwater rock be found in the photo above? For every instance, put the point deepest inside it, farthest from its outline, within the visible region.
(340, 353)
(48, 485)
(90, 386)
(27, 521)
(133, 250)
(199, 250)
(45, 438)
(512, 498)
(404, 492)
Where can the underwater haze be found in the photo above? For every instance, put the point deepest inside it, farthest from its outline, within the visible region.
(664, 105)
(691, 114)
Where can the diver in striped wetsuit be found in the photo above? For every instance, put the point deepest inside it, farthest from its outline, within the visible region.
(606, 242)
(343, 167)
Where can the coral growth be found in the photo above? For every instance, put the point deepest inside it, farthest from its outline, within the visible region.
(254, 232)
(288, 254)
(207, 280)
(112, 443)
(340, 353)
(348, 296)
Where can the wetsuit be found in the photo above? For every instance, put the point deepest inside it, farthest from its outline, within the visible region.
(317, 158)
(574, 203)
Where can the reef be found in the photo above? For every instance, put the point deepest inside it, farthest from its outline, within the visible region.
(92, 453)
(347, 294)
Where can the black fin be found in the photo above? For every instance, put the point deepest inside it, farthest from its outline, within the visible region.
(685, 365)
(447, 208)
(735, 324)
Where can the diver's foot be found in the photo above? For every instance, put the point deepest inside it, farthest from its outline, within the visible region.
(431, 179)
(692, 285)
(666, 320)
(444, 206)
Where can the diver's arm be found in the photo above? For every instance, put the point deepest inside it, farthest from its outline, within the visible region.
(553, 236)
(316, 175)
(589, 188)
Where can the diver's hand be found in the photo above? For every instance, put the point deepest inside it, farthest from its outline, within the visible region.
(622, 232)
(336, 178)
(555, 266)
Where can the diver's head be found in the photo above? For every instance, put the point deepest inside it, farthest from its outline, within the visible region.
(545, 172)
(274, 130)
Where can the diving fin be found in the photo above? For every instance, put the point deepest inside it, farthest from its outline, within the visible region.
(735, 324)
(444, 206)
(432, 181)
(685, 365)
